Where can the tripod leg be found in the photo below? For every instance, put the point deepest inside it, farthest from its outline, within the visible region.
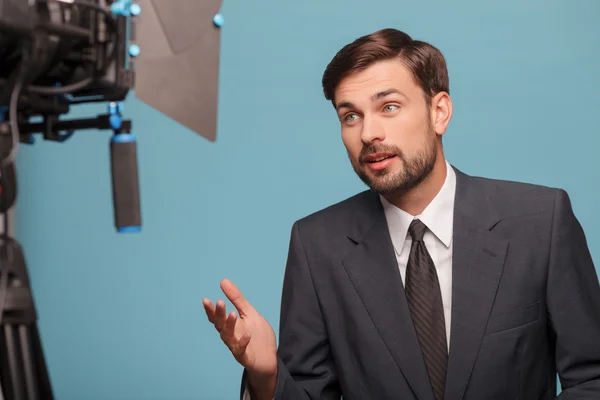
(23, 370)
(31, 381)
(15, 391)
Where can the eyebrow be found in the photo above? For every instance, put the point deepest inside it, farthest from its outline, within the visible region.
(375, 97)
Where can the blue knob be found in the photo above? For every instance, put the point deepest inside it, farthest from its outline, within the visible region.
(115, 8)
(134, 50)
(115, 107)
(115, 121)
(129, 229)
(135, 9)
(219, 20)
(121, 8)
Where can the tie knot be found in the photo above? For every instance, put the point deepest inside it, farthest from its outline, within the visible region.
(417, 230)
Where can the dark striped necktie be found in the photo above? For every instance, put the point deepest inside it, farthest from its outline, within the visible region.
(425, 302)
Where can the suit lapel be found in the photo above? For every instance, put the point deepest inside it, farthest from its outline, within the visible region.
(478, 261)
(373, 269)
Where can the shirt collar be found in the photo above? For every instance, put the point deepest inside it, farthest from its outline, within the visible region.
(437, 216)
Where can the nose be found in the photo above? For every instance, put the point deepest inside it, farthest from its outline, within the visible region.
(371, 130)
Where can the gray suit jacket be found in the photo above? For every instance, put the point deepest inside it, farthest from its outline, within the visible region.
(525, 302)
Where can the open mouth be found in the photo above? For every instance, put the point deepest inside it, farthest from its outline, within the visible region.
(378, 157)
(379, 161)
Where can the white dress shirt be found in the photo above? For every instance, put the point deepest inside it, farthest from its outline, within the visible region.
(438, 217)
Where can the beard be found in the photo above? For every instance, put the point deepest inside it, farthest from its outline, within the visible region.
(414, 171)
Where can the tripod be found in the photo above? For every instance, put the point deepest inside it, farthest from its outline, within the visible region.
(23, 370)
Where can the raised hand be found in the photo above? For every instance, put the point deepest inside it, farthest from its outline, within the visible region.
(250, 338)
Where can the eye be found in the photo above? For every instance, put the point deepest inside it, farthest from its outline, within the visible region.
(350, 117)
(390, 107)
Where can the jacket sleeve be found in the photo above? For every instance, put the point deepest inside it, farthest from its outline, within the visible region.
(306, 368)
(573, 296)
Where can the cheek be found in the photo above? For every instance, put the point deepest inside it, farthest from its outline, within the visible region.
(406, 133)
(352, 141)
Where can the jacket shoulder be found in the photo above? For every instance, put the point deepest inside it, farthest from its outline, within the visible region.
(514, 198)
(340, 214)
(514, 187)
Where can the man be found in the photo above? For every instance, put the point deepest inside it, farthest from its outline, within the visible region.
(432, 284)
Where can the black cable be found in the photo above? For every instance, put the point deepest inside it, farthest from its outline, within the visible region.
(13, 115)
(49, 90)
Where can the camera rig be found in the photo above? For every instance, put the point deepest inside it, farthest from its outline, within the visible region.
(55, 54)
(60, 53)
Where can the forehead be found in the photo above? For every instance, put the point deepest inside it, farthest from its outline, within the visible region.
(380, 76)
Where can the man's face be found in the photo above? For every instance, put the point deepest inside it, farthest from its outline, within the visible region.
(387, 127)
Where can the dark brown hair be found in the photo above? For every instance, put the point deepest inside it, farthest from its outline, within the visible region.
(424, 60)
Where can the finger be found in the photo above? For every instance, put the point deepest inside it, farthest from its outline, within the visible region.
(235, 296)
(210, 310)
(220, 315)
(228, 332)
(237, 346)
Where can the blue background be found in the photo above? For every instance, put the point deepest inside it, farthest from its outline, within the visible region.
(121, 315)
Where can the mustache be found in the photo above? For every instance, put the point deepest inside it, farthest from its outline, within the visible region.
(379, 148)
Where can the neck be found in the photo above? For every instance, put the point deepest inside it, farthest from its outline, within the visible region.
(418, 198)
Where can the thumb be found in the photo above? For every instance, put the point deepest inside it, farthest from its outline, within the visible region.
(235, 296)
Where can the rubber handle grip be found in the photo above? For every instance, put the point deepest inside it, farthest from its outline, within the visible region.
(125, 183)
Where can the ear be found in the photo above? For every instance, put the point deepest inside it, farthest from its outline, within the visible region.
(441, 112)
